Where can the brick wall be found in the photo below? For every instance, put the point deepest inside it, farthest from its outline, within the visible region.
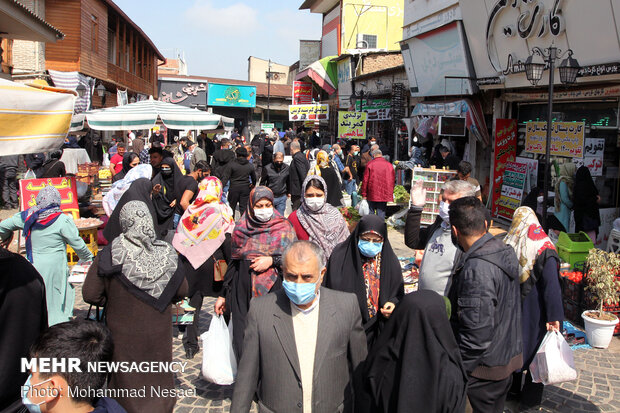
(375, 62)
(30, 56)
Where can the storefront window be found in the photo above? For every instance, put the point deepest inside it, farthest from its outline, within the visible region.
(601, 121)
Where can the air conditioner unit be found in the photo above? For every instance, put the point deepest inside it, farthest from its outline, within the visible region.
(366, 41)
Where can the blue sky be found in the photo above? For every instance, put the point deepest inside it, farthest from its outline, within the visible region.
(218, 36)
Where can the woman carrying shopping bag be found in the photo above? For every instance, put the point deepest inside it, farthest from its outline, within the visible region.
(541, 296)
(203, 242)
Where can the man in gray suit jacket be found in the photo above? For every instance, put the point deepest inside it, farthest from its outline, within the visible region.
(303, 344)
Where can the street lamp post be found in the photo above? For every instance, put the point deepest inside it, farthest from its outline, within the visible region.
(534, 67)
(268, 89)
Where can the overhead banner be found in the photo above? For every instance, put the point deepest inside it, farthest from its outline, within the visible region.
(512, 189)
(567, 138)
(29, 189)
(377, 109)
(308, 112)
(302, 93)
(352, 125)
(505, 151)
(231, 95)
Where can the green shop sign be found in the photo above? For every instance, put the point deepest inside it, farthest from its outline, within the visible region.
(231, 95)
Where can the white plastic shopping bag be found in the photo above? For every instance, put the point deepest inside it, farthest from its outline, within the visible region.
(553, 362)
(219, 364)
(363, 208)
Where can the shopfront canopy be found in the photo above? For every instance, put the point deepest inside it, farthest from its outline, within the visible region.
(33, 118)
(323, 72)
(145, 114)
(425, 117)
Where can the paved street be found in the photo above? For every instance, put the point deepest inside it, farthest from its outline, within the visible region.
(596, 390)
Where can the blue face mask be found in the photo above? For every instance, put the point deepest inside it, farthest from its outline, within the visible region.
(369, 249)
(299, 293)
(32, 407)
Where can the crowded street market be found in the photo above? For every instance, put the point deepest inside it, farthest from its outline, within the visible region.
(420, 213)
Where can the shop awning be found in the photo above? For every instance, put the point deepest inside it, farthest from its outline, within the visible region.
(426, 115)
(323, 72)
(33, 118)
(144, 115)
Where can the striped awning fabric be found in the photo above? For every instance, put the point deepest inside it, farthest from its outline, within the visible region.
(71, 80)
(32, 119)
(144, 115)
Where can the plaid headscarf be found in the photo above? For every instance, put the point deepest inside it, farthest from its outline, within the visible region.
(253, 238)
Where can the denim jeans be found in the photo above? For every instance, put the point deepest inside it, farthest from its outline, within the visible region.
(350, 187)
(377, 208)
(225, 193)
(176, 220)
(279, 203)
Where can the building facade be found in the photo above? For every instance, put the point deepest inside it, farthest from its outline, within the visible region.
(102, 48)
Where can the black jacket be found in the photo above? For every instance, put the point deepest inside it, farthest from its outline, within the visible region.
(415, 237)
(277, 181)
(240, 173)
(23, 315)
(221, 158)
(297, 175)
(486, 309)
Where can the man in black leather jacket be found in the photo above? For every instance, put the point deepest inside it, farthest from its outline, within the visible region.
(486, 307)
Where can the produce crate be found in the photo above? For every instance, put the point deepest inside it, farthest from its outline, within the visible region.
(572, 311)
(574, 248)
(572, 289)
(90, 239)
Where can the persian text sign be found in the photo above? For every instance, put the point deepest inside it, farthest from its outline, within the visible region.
(308, 112)
(593, 163)
(352, 125)
(594, 147)
(378, 109)
(512, 189)
(29, 189)
(567, 138)
(505, 151)
(302, 93)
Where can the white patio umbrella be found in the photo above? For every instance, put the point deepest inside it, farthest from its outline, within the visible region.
(144, 115)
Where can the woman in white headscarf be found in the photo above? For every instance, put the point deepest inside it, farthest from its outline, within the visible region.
(120, 187)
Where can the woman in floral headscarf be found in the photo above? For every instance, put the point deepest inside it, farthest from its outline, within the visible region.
(541, 295)
(258, 241)
(48, 231)
(203, 240)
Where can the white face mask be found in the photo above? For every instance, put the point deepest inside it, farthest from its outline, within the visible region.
(263, 214)
(315, 203)
(444, 214)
